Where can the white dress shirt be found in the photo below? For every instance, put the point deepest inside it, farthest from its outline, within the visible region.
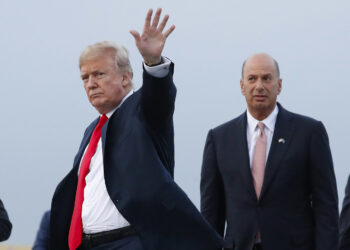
(99, 212)
(253, 132)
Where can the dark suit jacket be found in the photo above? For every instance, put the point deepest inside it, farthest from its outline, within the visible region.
(344, 221)
(298, 205)
(138, 150)
(5, 224)
(42, 240)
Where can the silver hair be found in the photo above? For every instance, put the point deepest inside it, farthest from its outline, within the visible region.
(120, 54)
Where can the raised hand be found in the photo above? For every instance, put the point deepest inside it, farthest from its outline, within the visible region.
(152, 40)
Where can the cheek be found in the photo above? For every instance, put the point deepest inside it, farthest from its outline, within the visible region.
(86, 90)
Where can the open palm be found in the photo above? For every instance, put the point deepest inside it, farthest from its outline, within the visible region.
(152, 40)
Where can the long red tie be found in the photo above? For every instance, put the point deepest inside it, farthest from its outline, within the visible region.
(76, 225)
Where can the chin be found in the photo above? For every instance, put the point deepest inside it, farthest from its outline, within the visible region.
(260, 105)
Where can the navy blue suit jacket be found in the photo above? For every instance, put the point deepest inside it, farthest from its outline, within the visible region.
(344, 221)
(5, 224)
(42, 240)
(298, 205)
(138, 151)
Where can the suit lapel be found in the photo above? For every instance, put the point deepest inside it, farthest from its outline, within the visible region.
(281, 139)
(243, 154)
(103, 135)
(104, 129)
(84, 143)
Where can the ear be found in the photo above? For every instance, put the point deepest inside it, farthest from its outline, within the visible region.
(242, 87)
(279, 86)
(126, 79)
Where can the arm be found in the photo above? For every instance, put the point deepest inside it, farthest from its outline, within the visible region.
(158, 92)
(212, 189)
(324, 190)
(5, 224)
(344, 221)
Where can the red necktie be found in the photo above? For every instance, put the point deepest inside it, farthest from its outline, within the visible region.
(76, 225)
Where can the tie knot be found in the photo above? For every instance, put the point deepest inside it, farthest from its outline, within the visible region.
(102, 120)
(261, 127)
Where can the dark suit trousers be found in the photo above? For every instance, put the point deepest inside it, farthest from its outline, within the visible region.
(129, 243)
(255, 247)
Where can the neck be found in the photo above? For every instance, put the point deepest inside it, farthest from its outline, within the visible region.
(261, 114)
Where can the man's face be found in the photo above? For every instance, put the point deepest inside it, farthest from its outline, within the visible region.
(260, 85)
(105, 86)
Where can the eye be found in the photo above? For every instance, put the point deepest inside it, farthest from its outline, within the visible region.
(267, 78)
(100, 74)
(251, 78)
(84, 78)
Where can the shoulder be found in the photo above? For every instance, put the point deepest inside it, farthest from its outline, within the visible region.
(235, 123)
(299, 119)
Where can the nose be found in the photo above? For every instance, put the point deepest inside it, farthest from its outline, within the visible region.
(91, 83)
(260, 85)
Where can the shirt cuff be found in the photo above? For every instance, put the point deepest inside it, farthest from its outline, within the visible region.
(160, 70)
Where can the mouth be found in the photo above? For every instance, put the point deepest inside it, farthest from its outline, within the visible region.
(95, 95)
(260, 97)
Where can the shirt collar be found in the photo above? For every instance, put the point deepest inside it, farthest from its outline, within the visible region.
(269, 121)
(110, 113)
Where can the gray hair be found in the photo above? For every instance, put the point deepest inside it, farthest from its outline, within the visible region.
(120, 54)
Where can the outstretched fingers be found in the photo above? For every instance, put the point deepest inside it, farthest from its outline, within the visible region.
(156, 18)
(148, 20)
(163, 23)
(168, 32)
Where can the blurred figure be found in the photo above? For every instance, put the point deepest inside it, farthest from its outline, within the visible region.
(344, 222)
(42, 240)
(5, 224)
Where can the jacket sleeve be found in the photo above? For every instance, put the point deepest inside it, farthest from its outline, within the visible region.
(158, 104)
(5, 224)
(211, 188)
(158, 98)
(344, 221)
(324, 190)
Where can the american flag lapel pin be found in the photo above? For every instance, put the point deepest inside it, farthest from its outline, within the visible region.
(281, 140)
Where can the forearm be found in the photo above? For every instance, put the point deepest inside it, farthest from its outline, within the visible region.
(158, 97)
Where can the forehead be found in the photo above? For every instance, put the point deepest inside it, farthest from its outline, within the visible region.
(97, 62)
(260, 64)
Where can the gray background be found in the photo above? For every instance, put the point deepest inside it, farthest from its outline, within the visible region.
(44, 109)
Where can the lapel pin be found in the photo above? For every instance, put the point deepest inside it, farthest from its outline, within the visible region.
(281, 140)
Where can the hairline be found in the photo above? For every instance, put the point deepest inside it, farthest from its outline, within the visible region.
(276, 67)
(119, 54)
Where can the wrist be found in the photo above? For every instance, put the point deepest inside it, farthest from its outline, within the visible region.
(152, 63)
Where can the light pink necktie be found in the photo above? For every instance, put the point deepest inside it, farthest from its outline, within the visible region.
(258, 164)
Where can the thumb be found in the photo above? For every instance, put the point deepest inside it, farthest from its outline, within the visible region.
(136, 35)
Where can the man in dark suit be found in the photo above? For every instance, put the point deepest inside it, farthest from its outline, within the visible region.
(42, 240)
(124, 197)
(268, 174)
(5, 224)
(344, 221)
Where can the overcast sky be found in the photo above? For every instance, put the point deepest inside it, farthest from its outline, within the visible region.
(45, 111)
